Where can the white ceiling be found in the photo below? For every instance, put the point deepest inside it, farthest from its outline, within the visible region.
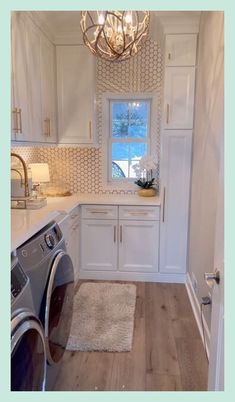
(64, 26)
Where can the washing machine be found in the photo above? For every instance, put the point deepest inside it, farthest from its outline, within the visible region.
(28, 347)
(50, 269)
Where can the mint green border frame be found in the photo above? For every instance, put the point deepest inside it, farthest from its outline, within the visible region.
(229, 8)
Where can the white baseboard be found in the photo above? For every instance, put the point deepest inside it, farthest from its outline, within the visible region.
(197, 312)
(133, 276)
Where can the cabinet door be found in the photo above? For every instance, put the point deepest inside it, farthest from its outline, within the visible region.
(70, 230)
(76, 94)
(74, 248)
(34, 79)
(48, 87)
(180, 50)
(99, 245)
(176, 168)
(138, 246)
(179, 97)
(20, 81)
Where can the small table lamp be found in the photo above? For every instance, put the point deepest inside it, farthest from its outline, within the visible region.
(40, 174)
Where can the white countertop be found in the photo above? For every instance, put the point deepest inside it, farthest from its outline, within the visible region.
(25, 223)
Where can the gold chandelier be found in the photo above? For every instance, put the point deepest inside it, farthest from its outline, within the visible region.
(114, 35)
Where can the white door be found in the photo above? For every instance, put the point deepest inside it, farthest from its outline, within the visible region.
(138, 246)
(216, 361)
(179, 97)
(175, 186)
(99, 245)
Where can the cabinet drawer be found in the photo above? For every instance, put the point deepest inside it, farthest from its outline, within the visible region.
(139, 213)
(99, 212)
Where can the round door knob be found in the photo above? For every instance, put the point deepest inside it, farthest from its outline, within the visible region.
(210, 277)
(50, 241)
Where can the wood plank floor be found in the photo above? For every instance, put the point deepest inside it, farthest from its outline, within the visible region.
(167, 353)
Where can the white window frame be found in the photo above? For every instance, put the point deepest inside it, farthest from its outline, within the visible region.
(125, 183)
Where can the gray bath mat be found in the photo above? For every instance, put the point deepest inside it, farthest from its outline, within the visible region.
(103, 317)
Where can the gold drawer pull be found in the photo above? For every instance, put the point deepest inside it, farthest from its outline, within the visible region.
(99, 212)
(138, 213)
(169, 56)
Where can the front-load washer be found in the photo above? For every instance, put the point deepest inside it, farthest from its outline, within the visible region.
(50, 270)
(28, 349)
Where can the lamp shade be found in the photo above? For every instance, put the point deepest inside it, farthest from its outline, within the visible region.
(40, 172)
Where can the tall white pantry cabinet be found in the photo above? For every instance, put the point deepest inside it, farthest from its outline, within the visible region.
(176, 147)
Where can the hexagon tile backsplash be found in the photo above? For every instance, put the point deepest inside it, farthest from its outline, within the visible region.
(80, 169)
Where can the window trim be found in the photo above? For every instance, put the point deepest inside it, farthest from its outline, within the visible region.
(125, 183)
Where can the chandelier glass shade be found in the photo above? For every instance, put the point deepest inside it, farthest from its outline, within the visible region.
(114, 35)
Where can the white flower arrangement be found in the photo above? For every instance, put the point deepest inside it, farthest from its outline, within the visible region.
(144, 171)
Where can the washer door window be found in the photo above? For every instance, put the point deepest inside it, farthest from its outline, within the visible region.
(28, 356)
(59, 306)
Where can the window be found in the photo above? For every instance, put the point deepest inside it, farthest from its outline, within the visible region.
(129, 136)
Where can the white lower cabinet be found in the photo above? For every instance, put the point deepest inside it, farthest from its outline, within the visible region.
(99, 245)
(119, 248)
(138, 246)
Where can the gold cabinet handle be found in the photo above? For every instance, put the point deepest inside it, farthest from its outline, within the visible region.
(167, 113)
(20, 119)
(45, 127)
(120, 233)
(169, 56)
(163, 206)
(17, 121)
(49, 127)
(114, 233)
(90, 129)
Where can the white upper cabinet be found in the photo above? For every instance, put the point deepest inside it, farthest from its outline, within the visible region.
(33, 83)
(48, 90)
(34, 79)
(180, 50)
(76, 94)
(21, 130)
(179, 97)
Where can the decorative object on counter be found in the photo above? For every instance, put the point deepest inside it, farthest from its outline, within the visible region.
(56, 191)
(40, 175)
(103, 317)
(114, 35)
(144, 171)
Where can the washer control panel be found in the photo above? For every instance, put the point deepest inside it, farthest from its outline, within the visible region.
(50, 240)
(18, 280)
(40, 246)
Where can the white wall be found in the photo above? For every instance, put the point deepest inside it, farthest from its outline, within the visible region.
(206, 150)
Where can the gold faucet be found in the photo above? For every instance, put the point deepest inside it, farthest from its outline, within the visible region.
(26, 181)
